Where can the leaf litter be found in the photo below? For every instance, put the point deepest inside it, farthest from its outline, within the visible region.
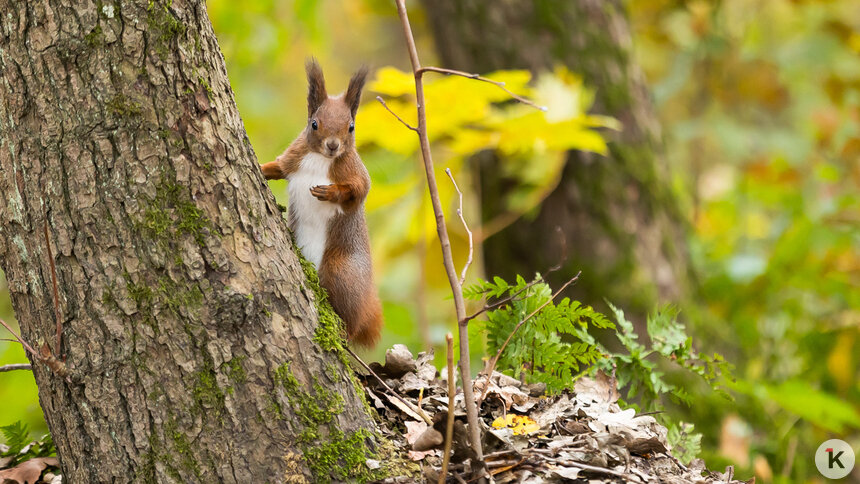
(579, 435)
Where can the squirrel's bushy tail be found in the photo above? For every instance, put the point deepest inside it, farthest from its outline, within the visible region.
(366, 331)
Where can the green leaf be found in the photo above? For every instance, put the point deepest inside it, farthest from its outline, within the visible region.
(818, 407)
(17, 437)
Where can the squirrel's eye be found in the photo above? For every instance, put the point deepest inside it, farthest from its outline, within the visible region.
(314, 125)
(351, 127)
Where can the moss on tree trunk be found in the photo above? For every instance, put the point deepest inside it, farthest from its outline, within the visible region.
(197, 349)
(618, 213)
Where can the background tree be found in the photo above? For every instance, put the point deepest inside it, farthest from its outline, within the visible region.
(619, 215)
(197, 350)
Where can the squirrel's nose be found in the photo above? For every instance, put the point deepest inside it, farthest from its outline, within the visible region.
(332, 144)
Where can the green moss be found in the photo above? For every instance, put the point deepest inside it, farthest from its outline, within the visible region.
(330, 333)
(139, 293)
(183, 449)
(175, 297)
(123, 107)
(203, 82)
(331, 371)
(94, 38)
(335, 455)
(206, 392)
(164, 27)
(342, 456)
(172, 214)
(107, 298)
(234, 369)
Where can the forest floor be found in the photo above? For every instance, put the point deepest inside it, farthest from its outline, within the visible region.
(581, 435)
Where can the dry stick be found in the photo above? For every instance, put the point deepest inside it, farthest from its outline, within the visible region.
(477, 77)
(23, 343)
(421, 286)
(449, 425)
(56, 292)
(417, 410)
(459, 304)
(501, 302)
(16, 366)
(382, 101)
(492, 365)
(465, 225)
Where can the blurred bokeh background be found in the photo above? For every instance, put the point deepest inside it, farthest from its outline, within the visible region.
(730, 184)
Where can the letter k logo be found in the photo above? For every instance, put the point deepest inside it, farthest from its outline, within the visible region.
(834, 459)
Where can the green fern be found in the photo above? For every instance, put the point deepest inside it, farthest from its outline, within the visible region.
(555, 346)
(21, 448)
(547, 348)
(17, 437)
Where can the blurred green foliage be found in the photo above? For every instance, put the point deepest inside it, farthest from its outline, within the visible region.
(760, 106)
(759, 103)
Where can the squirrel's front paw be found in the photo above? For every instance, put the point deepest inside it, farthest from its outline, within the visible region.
(324, 193)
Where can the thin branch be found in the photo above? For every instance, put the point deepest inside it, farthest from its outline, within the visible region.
(502, 302)
(415, 409)
(57, 316)
(591, 468)
(444, 242)
(492, 366)
(16, 366)
(18, 339)
(465, 225)
(381, 101)
(501, 85)
(449, 425)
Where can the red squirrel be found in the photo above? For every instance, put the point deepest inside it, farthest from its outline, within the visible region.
(328, 184)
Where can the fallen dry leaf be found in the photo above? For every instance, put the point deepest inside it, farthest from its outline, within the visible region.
(28, 472)
(414, 430)
(600, 389)
(399, 361)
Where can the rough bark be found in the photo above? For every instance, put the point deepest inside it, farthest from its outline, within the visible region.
(197, 348)
(618, 213)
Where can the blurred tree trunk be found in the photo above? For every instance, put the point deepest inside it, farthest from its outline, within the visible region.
(618, 213)
(189, 328)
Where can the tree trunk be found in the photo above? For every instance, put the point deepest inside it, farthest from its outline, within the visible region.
(618, 213)
(197, 348)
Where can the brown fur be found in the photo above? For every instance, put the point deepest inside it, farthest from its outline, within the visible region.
(346, 271)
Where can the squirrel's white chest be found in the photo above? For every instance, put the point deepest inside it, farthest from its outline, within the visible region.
(310, 217)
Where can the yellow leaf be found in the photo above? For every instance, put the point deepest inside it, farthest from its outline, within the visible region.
(520, 424)
(392, 82)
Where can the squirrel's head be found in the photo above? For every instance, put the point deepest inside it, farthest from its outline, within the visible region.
(331, 120)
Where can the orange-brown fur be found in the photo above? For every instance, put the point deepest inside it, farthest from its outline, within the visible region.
(345, 271)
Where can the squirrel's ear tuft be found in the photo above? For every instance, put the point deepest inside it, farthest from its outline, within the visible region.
(316, 86)
(353, 92)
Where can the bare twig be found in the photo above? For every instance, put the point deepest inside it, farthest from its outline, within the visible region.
(465, 225)
(449, 425)
(602, 470)
(16, 366)
(57, 316)
(501, 85)
(492, 365)
(381, 101)
(421, 286)
(18, 339)
(502, 302)
(442, 231)
(415, 409)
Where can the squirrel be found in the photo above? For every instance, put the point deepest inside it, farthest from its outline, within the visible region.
(328, 184)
